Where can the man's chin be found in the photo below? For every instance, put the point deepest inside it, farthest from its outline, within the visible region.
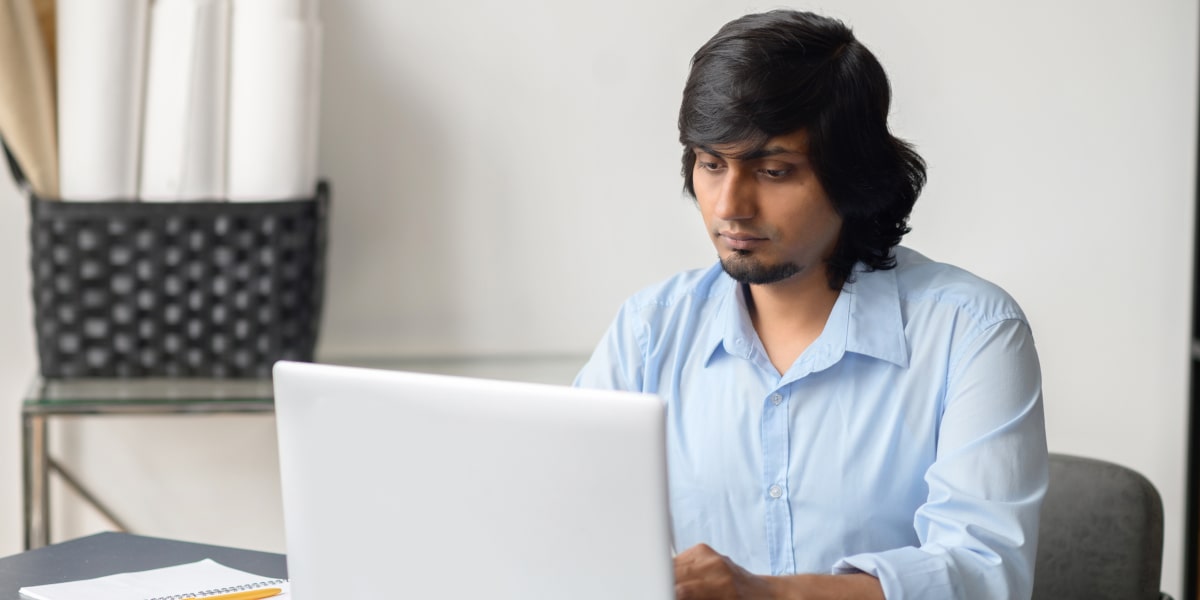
(746, 269)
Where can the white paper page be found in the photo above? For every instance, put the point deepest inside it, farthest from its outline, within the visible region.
(201, 578)
(101, 66)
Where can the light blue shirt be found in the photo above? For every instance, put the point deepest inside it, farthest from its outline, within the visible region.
(907, 441)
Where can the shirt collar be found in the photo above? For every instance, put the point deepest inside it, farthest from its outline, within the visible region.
(866, 319)
(876, 326)
(733, 329)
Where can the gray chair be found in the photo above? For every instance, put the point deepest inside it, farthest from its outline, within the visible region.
(1101, 534)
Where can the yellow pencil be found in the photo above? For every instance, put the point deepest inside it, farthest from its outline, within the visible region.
(250, 595)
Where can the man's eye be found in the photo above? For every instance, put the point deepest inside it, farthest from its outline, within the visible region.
(776, 173)
(708, 166)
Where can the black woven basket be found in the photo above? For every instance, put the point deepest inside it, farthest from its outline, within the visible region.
(180, 289)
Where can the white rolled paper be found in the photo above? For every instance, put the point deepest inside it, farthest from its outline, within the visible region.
(183, 138)
(273, 100)
(256, 11)
(101, 67)
(314, 104)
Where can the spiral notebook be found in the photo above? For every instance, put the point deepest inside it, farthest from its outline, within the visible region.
(201, 579)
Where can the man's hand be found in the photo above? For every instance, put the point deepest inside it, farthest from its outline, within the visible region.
(703, 574)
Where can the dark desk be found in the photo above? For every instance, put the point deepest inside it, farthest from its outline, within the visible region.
(110, 553)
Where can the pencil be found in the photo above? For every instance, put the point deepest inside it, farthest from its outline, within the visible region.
(250, 595)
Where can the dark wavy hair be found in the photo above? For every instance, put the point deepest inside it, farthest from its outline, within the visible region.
(774, 73)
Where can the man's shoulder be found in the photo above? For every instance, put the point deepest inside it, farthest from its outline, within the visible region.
(683, 288)
(923, 280)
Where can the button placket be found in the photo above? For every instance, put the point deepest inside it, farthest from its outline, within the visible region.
(775, 432)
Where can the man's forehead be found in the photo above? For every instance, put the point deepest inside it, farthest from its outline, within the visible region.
(790, 143)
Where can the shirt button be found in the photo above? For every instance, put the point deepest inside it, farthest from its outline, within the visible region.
(775, 491)
(776, 399)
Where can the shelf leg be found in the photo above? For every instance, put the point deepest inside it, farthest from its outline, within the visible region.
(36, 474)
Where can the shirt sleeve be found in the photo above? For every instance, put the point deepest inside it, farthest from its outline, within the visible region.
(978, 526)
(617, 362)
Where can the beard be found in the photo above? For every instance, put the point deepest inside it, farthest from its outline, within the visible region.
(743, 267)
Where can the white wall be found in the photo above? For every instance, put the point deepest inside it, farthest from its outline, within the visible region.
(504, 174)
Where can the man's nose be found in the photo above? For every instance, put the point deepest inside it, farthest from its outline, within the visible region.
(736, 197)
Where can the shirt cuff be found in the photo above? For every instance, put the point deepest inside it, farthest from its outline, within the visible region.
(904, 573)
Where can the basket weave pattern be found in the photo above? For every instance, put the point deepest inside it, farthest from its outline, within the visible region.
(205, 289)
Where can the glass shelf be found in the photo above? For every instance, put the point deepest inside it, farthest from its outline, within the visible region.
(47, 398)
(166, 395)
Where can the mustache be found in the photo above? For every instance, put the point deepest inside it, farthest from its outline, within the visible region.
(741, 234)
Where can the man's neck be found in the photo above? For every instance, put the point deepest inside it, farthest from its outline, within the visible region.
(789, 315)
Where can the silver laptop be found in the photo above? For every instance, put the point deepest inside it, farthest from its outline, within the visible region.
(405, 485)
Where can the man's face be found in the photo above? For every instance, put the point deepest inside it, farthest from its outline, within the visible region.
(767, 213)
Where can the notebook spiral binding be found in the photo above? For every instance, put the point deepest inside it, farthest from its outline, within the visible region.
(225, 590)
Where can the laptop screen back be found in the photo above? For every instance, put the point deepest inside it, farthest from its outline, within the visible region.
(428, 486)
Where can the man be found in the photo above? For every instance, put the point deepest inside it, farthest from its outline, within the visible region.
(846, 418)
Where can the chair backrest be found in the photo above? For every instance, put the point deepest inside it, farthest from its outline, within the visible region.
(1101, 533)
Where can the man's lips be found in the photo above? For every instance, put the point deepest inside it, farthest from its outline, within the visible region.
(741, 241)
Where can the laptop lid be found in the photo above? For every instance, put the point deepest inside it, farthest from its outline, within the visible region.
(429, 486)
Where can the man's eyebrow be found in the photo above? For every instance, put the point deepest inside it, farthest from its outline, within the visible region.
(769, 151)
